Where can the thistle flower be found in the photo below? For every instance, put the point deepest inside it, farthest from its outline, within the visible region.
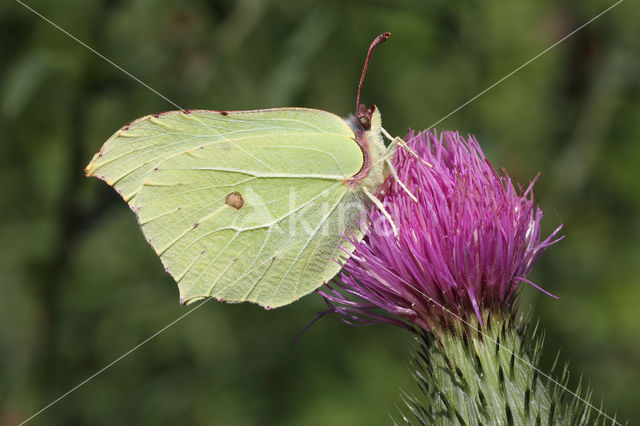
(463, 249)
(457, 262)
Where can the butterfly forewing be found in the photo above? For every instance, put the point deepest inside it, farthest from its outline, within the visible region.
(241, 205)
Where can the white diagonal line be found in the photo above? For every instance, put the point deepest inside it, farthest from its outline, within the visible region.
(517, 69)
(526, 63)
(434, 124)
(528, 363)
(97, 373)
(128, 73)
(102, 56)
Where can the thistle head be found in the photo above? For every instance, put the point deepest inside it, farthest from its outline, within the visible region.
(462, 250)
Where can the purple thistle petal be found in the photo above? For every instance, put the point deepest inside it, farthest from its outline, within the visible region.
(465, 247)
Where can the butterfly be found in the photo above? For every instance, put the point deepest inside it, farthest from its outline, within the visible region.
(250, 205)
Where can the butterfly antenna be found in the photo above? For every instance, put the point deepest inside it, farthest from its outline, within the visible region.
(380, 39)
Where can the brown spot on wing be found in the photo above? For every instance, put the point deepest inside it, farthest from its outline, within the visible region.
(235, 200)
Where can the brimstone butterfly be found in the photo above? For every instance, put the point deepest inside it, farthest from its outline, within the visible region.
(249, 205)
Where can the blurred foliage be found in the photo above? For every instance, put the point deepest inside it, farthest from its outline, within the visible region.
(80, 286)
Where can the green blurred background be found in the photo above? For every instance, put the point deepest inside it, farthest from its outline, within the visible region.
(79, 285)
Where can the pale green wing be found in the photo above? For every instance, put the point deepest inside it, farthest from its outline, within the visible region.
(240, 205)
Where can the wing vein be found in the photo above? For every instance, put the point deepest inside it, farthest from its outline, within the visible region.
(313, 234)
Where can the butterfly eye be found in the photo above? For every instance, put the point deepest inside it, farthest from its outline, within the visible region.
(364, 122)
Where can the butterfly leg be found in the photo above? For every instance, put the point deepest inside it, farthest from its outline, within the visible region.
(386, 134)
(399, 141)
(395, 176)
(404, 145)
(388, 154)
(384, 211)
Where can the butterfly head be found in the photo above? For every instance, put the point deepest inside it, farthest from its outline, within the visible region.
(365, 120)
(364, 115)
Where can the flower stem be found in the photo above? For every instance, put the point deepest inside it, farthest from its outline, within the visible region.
(468, 377)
